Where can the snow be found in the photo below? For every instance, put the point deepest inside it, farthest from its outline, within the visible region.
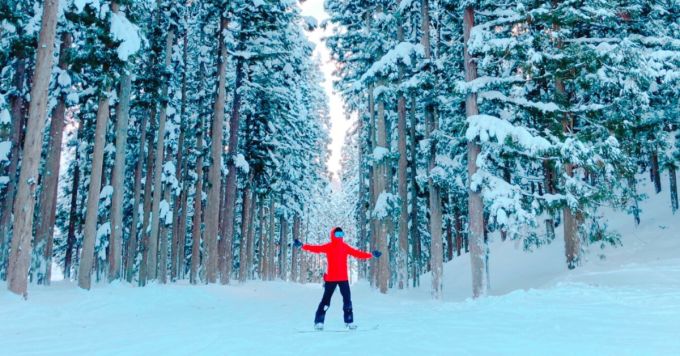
(401, 53)
(496, 95)
(625, 304)
(310, 23)
(5, 149)
(63, 79)
(486, 127)
(106, 192)
(80, 4)
(165, 212)
(5, 118)
(127, 33)
(241, 163)
(379, 153)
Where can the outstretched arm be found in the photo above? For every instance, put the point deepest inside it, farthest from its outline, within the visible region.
(315, 248)
(359, 254)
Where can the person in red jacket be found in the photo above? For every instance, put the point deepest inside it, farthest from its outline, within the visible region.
(336, 275)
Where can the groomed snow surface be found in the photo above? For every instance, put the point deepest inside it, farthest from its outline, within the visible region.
(627, 303)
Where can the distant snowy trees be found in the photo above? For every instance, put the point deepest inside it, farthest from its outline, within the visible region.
(154, 178)
(525, 119)
(154, 141)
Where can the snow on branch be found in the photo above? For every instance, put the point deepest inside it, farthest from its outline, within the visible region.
(481, 82)
(401, 53)
(486, 127)
(127, 33)
(496, 95)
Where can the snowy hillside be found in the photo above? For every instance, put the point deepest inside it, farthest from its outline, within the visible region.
(625, 304)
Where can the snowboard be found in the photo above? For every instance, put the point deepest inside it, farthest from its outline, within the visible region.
(343, 330)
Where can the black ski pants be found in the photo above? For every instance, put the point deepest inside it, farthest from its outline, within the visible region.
(328, 289)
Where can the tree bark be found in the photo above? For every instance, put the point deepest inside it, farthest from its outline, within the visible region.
(232, 173)
(283, 256)
(251, 234)
(196, 219)
(50, 178)
(73, 212)
(143, 267)
(179, 206)
(245, 226)
(163, 244)
(212, 209)
(92, 214)
(271, 266)
(402, 254)
(673, 187)
(475, 204)
(17, 106)
(436, 248)
(294, 252)
(572, 241)
(20, 258)
(415, 234)
(382, 186)
(655, 172)
(132, 239)
(152, 268)
(118, 179)
(262, 240)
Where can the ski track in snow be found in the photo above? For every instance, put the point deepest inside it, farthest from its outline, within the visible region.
(627, 303)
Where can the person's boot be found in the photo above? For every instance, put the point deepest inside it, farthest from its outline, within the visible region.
(318, 326)
(350, 326)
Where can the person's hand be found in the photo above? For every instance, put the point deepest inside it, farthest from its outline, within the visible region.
(297, 243)
(377, 253)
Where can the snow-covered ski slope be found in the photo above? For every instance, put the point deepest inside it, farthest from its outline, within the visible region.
(627, 303)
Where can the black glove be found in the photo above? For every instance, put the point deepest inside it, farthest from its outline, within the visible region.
(297, 243)
(377, 253)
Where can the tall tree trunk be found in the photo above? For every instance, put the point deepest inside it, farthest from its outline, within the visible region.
(50, 178)
(673, 187)
(572, 241)
(251, 234)
(20, 257)
(179, 206)
(245, 225)
(17, 106)
(655, 172)
(373, 263)
(230, 188)
(402, 253)
(152, 270)
(148, 183)
(382, 186)
(92, 214)
(363, 244)
(435, 201)
(73, 212)
(415, 234)
(198, 211)
(295, 255)
(449, 240)
(212, 209)
(271, 266)
(476, 240)
(262, 240)
(132, 240)
(549, 189)
(304, 260)
(163, 243)
(118, 178)
(283, 256)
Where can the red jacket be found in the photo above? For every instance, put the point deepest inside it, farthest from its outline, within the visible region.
(336, 254)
